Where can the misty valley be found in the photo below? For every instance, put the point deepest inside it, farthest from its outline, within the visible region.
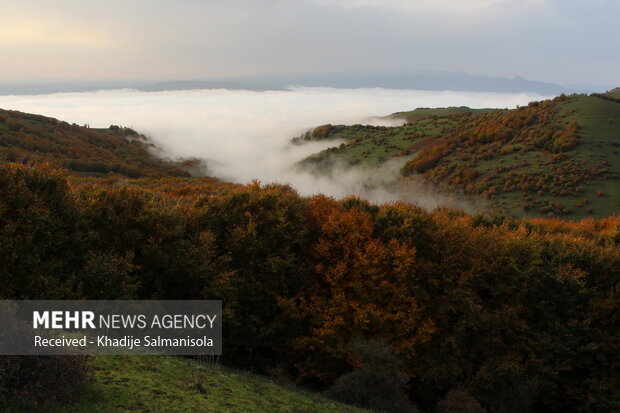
(517, 154)
(395, 250)
(246, 135)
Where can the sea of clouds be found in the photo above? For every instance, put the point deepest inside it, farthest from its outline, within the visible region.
(245, 135)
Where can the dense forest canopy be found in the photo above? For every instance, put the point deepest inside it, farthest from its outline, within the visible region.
(496, 306)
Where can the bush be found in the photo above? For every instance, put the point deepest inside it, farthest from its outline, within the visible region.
(425, 160)
(322, 132)
(41, 380)
(459, 401)
(377, 383)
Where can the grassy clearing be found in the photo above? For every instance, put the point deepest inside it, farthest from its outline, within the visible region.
(175, 384)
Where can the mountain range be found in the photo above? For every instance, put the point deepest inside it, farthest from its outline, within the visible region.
(421, 80)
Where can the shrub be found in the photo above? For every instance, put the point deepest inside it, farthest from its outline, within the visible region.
(425, 160)
(377, 383)
(458, 400)
(41, 380)
(322, 132)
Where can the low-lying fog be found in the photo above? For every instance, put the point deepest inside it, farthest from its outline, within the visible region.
(244, 135)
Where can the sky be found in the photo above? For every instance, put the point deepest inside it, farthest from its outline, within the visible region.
(560, 41)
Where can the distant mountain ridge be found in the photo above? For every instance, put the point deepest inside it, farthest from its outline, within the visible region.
(79, 87)
(429, 80)
(203, 84)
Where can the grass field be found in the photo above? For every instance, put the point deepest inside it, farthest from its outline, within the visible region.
(174, 384)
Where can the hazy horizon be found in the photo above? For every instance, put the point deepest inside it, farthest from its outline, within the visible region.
(258, 77)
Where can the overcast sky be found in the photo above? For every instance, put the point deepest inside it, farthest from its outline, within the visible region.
(562, 41)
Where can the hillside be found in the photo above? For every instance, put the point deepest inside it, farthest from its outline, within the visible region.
(31, 139)
(557, 157)
(614, 92)
(174, 384)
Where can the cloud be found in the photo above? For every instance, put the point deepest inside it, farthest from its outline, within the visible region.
(246, 135)
(28, 32)
(419, 4)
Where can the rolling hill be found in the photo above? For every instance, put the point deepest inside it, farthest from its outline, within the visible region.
(31, 139)
(557, 157)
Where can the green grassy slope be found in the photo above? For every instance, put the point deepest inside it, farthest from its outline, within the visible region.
(174, 384)
(31, 139)
(614, 93)
(553, 158)
(599, 122)
(374, 145)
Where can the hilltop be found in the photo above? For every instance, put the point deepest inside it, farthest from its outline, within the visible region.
(614, 92)
(421, 113)
(556, 157)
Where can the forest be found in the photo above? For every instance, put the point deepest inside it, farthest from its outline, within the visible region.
(510, 315)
